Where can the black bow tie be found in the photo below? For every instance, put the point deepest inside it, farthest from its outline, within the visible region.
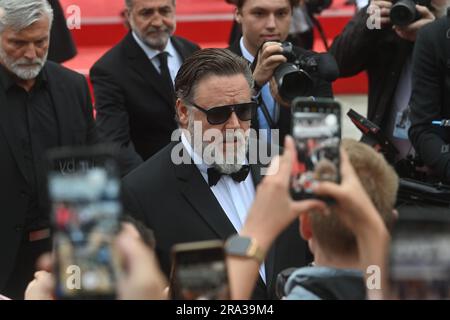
(239, 176)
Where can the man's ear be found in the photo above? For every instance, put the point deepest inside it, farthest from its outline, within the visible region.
(395, 214)
(182, 112)
(237, 15)
(305, 226)
(126, 14)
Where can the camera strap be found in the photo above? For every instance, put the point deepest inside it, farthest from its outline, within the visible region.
(266, 112)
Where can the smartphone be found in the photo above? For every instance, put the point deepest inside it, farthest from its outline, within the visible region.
(419, 262)
(316, 129)
(84, 192)
(199, 271)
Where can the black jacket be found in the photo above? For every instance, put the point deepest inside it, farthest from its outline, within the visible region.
(321, 88)
(430, 99)
(177, 204)
(73, 108)
(379, 52)
(133, 108)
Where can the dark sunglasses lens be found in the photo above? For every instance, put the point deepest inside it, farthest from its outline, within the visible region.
(246, 111)
(218, 115)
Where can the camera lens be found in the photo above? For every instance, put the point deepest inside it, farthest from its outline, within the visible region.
(292, 82)
(403, 13)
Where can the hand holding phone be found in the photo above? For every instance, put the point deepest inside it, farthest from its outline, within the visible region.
(199, 271)
(84, 193)
(316, 129)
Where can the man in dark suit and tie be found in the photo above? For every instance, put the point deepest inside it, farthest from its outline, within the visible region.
(42, 106)
(133, 82)
(200, 188)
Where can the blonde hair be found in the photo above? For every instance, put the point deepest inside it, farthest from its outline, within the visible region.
(380, 182)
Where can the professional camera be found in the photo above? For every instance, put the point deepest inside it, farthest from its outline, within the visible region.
(294, 79)
(404, 12)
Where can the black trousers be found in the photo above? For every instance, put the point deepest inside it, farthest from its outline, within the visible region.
(25, 266)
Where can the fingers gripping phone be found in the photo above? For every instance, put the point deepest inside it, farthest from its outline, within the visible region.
(316, 129)
(199, 271)
(84, 194)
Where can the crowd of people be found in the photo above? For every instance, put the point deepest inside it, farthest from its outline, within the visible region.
(209, 182)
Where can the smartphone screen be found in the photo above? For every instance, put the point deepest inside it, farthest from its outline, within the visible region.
(199, 272)
(316, 129)
(84, 193)
(420, 257)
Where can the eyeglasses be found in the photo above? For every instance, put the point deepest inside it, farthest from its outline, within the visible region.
(218, 115)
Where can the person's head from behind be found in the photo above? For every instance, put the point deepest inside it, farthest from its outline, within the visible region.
(153, 21)
(24, 36)
(329, 240)
(215, 106)
(263, 20)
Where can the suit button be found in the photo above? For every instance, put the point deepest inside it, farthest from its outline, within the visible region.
(23, 194)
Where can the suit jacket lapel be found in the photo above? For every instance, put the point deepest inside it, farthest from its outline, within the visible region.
(7, 126)
(235, 47)
(141, 64)
(199, 195)
(180, 48)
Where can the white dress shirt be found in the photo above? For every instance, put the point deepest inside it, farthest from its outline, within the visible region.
(174, 60)
(235, 198)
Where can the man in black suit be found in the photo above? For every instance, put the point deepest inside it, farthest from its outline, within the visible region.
(42, 106)
(133, 82)
(269, 21)
(208, 198)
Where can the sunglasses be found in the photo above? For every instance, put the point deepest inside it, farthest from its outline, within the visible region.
(218, 115)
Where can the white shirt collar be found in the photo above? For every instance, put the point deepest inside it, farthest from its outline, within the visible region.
(152, 53)
(247, 55)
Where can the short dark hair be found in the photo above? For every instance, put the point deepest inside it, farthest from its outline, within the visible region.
(203, 63)
(240, 3)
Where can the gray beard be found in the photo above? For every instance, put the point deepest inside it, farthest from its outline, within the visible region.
(21, 72)
(216, 161)
(154, 43)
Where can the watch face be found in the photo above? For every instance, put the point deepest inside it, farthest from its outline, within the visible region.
(239, 245)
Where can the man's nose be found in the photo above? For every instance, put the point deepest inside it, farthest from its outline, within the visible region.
(157, 20)
(233, 121)
(30, 52)
(271, 22)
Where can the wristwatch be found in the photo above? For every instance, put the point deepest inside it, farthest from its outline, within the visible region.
(244, 247)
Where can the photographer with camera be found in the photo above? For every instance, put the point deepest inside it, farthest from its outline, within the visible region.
(380, 40)
(265, 25)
